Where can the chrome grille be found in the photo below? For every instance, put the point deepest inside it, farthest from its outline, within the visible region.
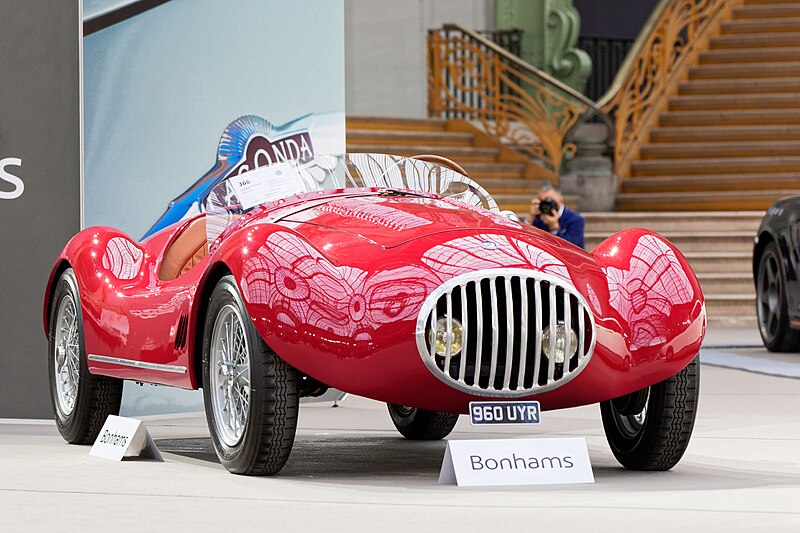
(504, 314)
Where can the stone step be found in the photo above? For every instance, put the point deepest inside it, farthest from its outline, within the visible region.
(402, 137)
(523, 189)
(518, 203)
(731, 309)
(781, 69)
(729, 117)
(716, 262)
(727, 133)
(695, 241)
(458, 154)
(395, 123)
(714, 165)
(755, 40)
(480, 171)
(739, 86)
(713, 182)
(736, 102)
(769, 25)
(767, 11)
(701, 201)
(727, 283)
(663, 222)
(775, 54)
(720, 149)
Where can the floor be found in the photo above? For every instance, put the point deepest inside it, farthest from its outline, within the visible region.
(350, 471)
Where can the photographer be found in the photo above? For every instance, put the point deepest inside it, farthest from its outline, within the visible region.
(549, 213)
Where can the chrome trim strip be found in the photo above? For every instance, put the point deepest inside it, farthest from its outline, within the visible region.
(523, 345)
(479, 348)
(537, 359)
(581, 336)
(462, 367)
(568, 328)
(490, 275)
(495, 332)
(551, 360)
(137, 364)
(448, 351)
(510, 332)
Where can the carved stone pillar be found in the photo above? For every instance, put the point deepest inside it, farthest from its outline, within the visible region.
(550, 33)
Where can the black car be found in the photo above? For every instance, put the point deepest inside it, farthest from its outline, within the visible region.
(776, 261)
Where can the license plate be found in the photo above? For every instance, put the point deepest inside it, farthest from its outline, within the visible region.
(493, 413)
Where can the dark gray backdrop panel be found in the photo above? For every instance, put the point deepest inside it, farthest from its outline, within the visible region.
(39, 123)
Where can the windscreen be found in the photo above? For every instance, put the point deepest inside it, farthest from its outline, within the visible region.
(237, 194)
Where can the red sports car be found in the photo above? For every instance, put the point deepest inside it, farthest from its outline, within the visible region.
(388, 277)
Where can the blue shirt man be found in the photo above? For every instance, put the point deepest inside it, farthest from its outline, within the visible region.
(564, 222)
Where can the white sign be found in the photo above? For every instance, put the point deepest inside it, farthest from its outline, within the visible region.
(540, 461)
(267, 184)
(7, 176)
(124, 437)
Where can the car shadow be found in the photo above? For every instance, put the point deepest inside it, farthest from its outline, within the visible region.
(369, 460)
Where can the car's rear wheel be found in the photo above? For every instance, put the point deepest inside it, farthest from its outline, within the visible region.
(420, 424)
(250, 393)
(81, 401)
(772, 305)
(650, 429)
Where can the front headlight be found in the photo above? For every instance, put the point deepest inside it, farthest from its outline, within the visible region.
(439, 344)
(560, 342)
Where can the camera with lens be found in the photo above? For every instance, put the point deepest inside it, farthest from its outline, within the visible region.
(548, 206)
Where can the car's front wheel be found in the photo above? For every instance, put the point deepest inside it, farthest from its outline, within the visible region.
(250, 393)
(650, 429)
(81, 401)
(771, 303)
(420, 424)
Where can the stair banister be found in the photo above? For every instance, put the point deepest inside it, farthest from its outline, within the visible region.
(472, 78)
(659, 57)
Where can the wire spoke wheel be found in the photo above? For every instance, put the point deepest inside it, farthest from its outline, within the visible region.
(250, 394)
(631, 424)
(81, 401)
(230, 380)
(66, 358)
(650, 429)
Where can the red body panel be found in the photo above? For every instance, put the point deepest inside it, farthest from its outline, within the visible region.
(334, 284)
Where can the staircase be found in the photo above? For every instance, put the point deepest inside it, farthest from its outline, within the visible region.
(509, 176)
(729, 139)
(718, 246)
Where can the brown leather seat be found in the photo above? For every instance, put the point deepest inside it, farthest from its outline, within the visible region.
(185, 251)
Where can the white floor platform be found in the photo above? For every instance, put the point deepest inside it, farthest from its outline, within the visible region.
(350, 471)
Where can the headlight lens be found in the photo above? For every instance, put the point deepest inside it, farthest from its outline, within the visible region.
(442, 339)
(560, 342)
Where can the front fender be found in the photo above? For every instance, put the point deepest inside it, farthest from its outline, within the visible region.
(653, 296)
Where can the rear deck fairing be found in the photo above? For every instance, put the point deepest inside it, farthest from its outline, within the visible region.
(336, 290)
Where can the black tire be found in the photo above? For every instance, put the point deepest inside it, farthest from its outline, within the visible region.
(97, 396)
(268, 433)
(659, 440)
(421, 424)
(772, 307)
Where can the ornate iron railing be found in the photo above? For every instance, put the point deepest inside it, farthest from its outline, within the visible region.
(661, 54)
(509, 40)
(471, 77)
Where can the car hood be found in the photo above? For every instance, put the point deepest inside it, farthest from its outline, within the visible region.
(390, 221)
